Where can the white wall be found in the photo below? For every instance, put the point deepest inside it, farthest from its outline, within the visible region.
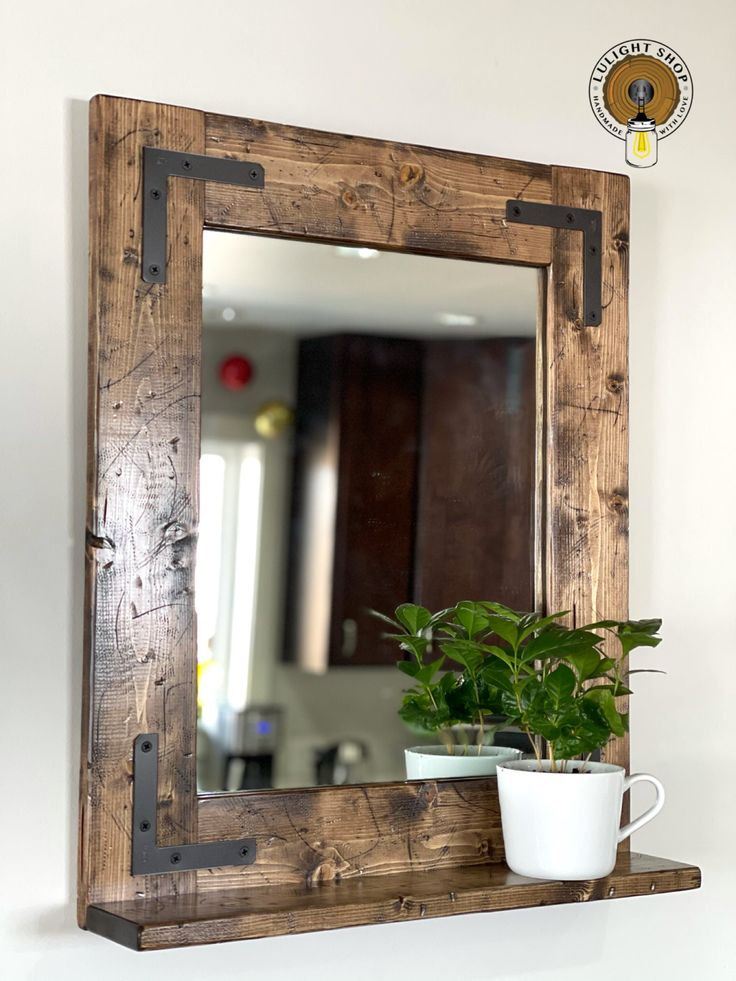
(495, 77)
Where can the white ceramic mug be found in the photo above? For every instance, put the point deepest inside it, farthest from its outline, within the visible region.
(566, 825)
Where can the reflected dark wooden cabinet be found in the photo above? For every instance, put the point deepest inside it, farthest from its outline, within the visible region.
(400, 446)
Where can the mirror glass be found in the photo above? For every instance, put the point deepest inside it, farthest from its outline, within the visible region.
(368, 439)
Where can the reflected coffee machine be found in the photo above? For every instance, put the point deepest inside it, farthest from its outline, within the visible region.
(249, 738)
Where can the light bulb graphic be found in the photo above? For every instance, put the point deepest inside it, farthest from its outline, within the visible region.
(641, 132)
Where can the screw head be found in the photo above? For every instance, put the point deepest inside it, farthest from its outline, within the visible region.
(144, 826)
(254, 175)
(593, 250)
(175, 858)
(154, 270)
(155, 194)
(146, 746)
(516, 210)
(244, 851)
(186, 164)
(570, 218)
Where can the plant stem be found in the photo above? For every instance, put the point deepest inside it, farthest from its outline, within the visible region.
(535, 747)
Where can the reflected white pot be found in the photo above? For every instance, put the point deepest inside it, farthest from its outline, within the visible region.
(566, 825)
(435, 763)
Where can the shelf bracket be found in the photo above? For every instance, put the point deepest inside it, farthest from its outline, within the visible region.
(158, 166)
(590, 223)
(148, 857)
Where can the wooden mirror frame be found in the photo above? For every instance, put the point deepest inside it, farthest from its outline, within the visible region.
(378, 852)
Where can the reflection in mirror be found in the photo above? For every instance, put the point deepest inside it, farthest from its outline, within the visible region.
(368, 438)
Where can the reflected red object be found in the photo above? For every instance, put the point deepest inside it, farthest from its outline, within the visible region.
(235, 372)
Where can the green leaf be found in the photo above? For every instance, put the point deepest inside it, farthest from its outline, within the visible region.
(496, 674)
(585, 662)
(539, 623)
(498, 652)
(472, 617)
(447, 681)
(616, 688)
(428, 671)
(414, 618)
(560, 684)
(638, 633)
(504, 611)
(414, 645)
(558, 642)
(651, 627)
(409, 667)
(465, 652)
(605, 701)
(605, 664)
(504, 628)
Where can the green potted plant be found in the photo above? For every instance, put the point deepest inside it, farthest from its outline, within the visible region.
(455, 690)
(561, 811)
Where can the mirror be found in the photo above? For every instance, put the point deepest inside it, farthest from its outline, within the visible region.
(368, 438)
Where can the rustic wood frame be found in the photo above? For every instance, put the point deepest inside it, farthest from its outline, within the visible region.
(142, 519)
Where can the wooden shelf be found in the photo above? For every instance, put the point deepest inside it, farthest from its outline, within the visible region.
(247, 914)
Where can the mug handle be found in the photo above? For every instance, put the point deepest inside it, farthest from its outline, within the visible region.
(653, 811)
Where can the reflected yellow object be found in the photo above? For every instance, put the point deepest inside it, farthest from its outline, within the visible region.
(204, 671)
(273, 419)
(642, 145)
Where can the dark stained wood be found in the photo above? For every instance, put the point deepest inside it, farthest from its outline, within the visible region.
(251, 913)
(587, 498)
(323, 833)
(330, 187)
(475, 519)
(357, 420)
(143, 462)
(376, 491)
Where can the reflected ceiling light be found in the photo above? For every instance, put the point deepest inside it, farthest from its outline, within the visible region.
(349, 252)
(228, 314)
(456, 319)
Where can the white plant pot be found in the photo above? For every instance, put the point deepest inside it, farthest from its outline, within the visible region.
(435, 763)
(566, 825)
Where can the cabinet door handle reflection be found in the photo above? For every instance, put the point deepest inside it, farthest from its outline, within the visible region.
(349, 637)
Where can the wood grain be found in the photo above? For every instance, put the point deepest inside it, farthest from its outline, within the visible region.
(143, 461)
(325, 833)
(331, 187)
(586, 483)
(249, 914)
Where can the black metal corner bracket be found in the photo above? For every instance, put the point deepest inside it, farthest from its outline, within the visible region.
(590, 223)
(148, 857)
(158, 166)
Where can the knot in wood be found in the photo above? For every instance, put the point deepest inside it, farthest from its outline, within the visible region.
(616, 503)
(410, 174)
(615, 383)
(349, 197)
(175, 532)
